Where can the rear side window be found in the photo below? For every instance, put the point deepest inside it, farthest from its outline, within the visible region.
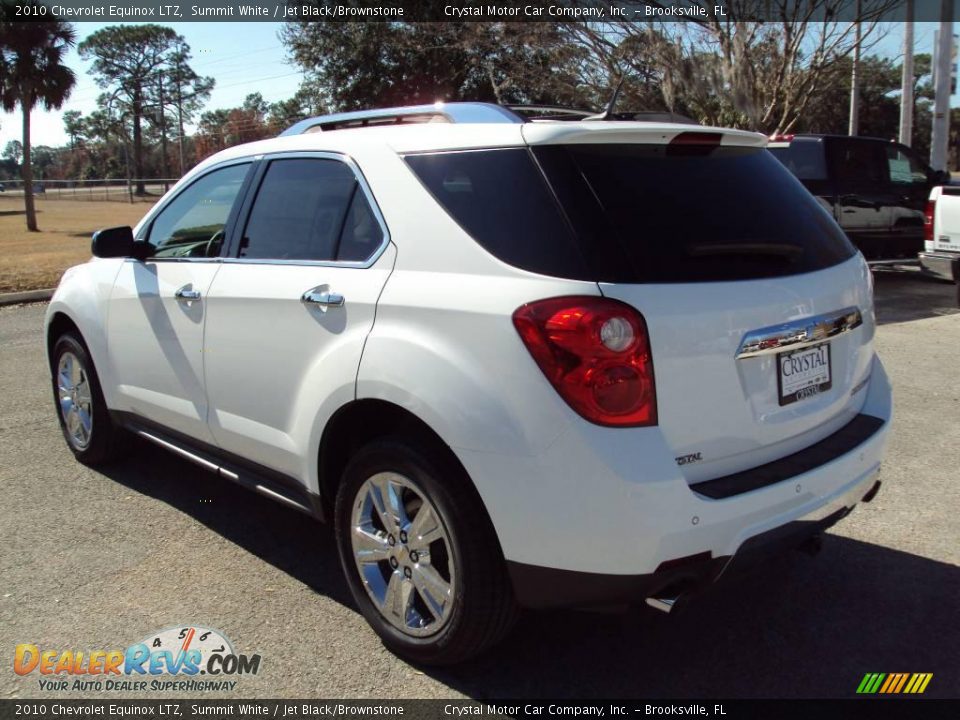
(804, 158)
(904, 167)
(692, 213)
(310, 209)
(501, 199)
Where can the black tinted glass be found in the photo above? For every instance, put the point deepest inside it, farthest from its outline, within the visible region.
(804, 158)
(192, 224)
(704, 214)
(299, 210)
(362, 234)
(860, 163)
(500, 198)
(904, 167)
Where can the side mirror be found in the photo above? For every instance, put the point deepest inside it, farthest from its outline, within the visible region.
(114, 242)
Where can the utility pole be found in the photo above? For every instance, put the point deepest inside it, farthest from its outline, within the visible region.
(180, 115)
(855, 79)
(941, 103)
(163, 134)
(906, 87)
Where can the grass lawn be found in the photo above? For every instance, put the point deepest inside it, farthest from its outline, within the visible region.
(29, 261)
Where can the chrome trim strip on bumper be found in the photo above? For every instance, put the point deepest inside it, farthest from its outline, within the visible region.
(798, 334)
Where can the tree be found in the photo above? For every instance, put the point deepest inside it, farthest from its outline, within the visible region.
(73, 126)
(129, 60)
(828, 108)
(226, 127)
(13, 152)
(32, 72)
(187, 93)
(358, 65)
(759, 75)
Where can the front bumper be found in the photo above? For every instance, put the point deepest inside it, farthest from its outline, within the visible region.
(942, 264)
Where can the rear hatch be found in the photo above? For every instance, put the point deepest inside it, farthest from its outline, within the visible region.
(759, 309)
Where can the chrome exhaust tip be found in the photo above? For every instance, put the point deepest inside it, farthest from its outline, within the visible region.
(663, 604)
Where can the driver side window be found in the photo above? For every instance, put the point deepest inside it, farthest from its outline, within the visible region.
(192, 224)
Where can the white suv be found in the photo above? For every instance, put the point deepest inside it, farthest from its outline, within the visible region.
(517, 364)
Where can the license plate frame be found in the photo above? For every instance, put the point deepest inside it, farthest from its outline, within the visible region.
(814, 382)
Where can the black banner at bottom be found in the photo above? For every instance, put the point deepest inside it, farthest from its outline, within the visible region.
(867, 709)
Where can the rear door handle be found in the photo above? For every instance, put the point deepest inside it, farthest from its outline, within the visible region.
(322, 298)
(186, 293)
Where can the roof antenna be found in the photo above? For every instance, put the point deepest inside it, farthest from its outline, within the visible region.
(608, 113)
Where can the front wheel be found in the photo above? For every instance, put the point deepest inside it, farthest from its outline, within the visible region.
(81, 409)
(420, 555)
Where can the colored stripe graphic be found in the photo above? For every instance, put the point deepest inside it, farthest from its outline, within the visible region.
(894, 683)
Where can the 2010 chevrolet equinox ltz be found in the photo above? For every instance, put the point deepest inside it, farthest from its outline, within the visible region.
(516, 363)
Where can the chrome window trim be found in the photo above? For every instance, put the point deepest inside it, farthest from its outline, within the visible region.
(361, 182)
(798, 334)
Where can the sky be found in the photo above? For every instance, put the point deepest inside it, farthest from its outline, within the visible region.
(243, 58)
(247, 57)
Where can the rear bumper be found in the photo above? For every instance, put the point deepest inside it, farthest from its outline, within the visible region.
(616, 516)
(945, 265)
(541, 587)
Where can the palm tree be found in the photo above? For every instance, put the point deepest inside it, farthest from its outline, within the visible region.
(32, 72)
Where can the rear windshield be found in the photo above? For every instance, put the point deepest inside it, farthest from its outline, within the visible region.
(637, 213)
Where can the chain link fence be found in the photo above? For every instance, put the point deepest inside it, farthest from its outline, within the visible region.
(111, 189)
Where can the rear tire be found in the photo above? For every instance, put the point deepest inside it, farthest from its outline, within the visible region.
(91, 435)
(420, 555)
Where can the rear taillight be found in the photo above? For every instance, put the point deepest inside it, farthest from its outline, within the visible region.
(596, 353)
(928, 220)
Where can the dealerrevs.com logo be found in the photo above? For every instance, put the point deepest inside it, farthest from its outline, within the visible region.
(184, 659)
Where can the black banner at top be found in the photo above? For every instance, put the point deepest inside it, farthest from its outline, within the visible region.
(139, 11)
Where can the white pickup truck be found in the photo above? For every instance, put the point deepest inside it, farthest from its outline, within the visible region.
(941, 238)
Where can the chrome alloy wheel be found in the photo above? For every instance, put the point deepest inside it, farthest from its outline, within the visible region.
(76, 400)
(403, 554)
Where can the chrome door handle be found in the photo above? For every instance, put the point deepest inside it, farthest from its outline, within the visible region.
(323, 299)
(185, 293)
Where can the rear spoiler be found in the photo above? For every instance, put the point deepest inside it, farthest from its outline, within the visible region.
(631, 132)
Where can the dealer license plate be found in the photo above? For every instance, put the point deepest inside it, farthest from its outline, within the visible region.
(803, 373)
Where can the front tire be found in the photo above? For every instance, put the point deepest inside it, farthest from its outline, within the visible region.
(90, 433)
(420, 555)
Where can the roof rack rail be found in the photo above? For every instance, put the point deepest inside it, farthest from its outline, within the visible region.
(456, 112)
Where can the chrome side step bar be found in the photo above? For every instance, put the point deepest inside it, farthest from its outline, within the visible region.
(240, 478)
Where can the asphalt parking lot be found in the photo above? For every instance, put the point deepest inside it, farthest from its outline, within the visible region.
(101, 560)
